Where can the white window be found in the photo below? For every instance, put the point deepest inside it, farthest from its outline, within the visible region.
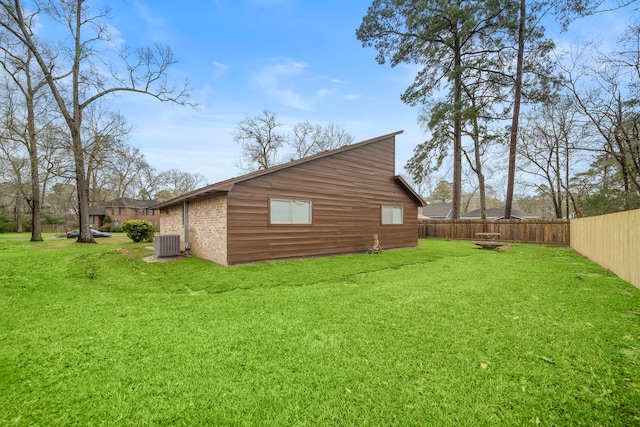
(392, 214)
(290, 211)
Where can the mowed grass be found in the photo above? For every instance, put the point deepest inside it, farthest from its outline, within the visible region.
(441, 334)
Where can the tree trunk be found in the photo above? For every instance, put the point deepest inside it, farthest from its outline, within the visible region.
(75, 125)
(513, 140)
(82, 189)
(36, 225)
(558, 174)
(18, 211)
(567, 193)
(478, 165)
(457, 133)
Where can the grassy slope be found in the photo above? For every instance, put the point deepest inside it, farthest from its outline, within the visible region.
(444, 334)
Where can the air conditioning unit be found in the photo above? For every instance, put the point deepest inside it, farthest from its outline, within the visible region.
(167, 245)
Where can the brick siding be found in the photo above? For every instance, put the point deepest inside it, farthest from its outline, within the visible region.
(207, 228)
(125, 214)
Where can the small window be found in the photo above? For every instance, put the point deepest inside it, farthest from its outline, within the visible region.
(392, 215)
(290, 211)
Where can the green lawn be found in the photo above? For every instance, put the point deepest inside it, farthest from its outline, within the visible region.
(440, 335)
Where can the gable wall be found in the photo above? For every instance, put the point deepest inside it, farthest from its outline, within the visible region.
(347, 191)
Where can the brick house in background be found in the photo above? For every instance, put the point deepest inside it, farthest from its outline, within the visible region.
(123, 209)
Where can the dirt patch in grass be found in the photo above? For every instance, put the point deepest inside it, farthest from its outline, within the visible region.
(143, 254)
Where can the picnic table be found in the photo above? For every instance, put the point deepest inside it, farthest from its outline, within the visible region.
(488, 236)
(489, 240)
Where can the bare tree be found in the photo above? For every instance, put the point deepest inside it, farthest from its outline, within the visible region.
(260, 140)
(14, 167)
(174, 182)
(161, 186)
(24, 117)
(308, 139)
(73, 69)
(149, 185)
(605, 95)
(111, 163)
(549, 141)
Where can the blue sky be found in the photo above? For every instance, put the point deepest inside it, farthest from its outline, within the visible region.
(298, 58)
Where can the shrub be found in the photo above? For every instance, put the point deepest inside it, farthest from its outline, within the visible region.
(139, 230)
(106, 227)
(116, 229)
(7, 224)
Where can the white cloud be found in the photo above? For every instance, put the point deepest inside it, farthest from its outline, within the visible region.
(143, 12)
(352, 97)
(115, 37)
(291, 83)
(219, 69)
(156, 27)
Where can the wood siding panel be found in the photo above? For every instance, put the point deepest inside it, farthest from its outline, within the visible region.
(347, 191)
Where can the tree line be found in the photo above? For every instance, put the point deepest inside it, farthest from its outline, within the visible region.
(265, 144)
(62, 148)
(57, 128)
(480, 61)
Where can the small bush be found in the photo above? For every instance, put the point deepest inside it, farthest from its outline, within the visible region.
(139, 230)
(106, 227)
(116, 229)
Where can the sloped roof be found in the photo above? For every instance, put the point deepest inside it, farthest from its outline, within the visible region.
(498, 213)
(97, 210)
(127, 202)
(227, 185)
(437, 210)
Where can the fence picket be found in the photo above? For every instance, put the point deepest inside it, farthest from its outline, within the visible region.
(549, 231)
(612, 240)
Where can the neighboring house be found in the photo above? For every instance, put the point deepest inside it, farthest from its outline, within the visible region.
(330, 203)
(498, 213)
(436, 211)
(123, 209)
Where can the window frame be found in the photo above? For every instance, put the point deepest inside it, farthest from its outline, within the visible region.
(291, 214)
(393, 217)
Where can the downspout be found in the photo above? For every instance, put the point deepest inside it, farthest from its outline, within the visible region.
(185, 216)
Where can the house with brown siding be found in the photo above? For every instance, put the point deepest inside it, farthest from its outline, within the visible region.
(330, 203)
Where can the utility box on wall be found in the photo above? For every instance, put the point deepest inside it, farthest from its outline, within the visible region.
(167, 245)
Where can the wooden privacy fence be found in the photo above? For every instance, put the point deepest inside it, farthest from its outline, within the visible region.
(550, 231)
(613, 241)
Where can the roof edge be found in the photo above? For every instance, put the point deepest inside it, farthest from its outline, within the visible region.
(410, 190)
(227, 185)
